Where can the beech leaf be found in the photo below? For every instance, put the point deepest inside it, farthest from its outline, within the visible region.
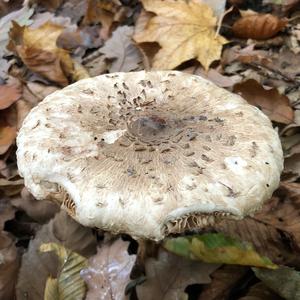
(274, 105)
(63, 230)
(184, 29)
(68, 285)
(217, 248)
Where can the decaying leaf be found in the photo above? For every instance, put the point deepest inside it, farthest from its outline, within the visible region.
(121, 48)
(52, 4)
(61, 230)
(40, 211)
(22, 17)
(259, 291)
(9, 265)
(38, 51)
(283, 213)
(244, 55)
(7, 137)
(258, 26)
(68, 285)
(108, 271)
(106, 12)
(181, 40)
(284, 281)
(169, 275)
(34, 92)
(223, 280)
(9, 93)
(9, 257)
(267, 240)
(217, 248)
(273, 104)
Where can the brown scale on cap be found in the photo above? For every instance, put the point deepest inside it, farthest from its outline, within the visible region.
(149, 153)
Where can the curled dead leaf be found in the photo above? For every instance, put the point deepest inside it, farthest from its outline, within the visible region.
(106, 12)
(181, 40)
(273, 104)
(258, 26)
(38, 51)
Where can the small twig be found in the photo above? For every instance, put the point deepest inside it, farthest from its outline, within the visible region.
(221, 20)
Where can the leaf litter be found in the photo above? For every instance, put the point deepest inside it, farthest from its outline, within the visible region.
(252, 49)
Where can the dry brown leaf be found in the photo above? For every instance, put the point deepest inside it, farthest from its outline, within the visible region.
(9, 257)
(23, 108)
(147, 49)
(216, 77)
(106, 12)
(11, 187)
(260, 292)
(96, 65)
(223, 280)
(9, 93)
(108, 272)
(121, 48)
(40, 211)
(275, 230)
(244, 55)
(7, 137)
(61, 230)
(50, 5)
(169, 275)
(266, 240)
(184, 30)
(283, 213)
(34, 92)
(258, 26)
(9, 266)
(37, 49)
(274, 105)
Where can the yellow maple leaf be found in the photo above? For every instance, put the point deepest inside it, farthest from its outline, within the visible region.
(184, 29)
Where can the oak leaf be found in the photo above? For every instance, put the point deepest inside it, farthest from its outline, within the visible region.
(184, 29)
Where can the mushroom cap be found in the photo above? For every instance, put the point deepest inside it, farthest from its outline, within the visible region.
(149, 153)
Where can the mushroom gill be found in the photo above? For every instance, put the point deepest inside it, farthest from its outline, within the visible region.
(193, 222)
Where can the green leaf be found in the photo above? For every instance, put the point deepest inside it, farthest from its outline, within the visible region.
(284, 281)
(68, 285)
(217, 248)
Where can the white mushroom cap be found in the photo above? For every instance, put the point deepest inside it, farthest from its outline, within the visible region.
(149, 153)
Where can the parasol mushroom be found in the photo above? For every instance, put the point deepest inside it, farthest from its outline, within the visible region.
(149, 153)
